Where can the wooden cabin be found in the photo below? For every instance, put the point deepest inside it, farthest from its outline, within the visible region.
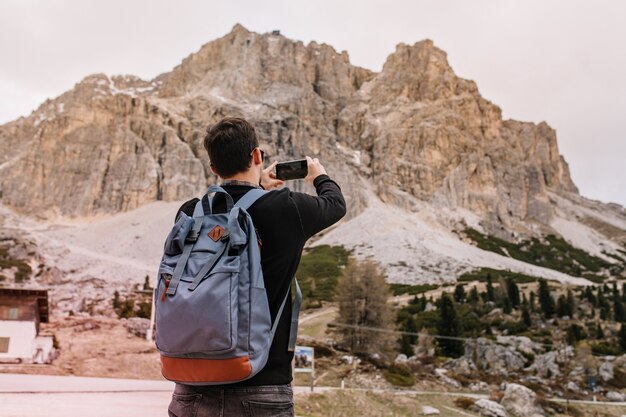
(21, 313)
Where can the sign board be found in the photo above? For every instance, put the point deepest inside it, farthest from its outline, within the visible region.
(304, 359)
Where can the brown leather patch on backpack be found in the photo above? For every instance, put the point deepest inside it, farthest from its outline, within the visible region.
(216, 233)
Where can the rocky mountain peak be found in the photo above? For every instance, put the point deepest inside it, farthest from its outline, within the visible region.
(414, 131)
(416, 149)
(421, 72)
(244, 65)
(239, 28)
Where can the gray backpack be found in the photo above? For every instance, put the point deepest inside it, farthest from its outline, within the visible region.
(213, 323)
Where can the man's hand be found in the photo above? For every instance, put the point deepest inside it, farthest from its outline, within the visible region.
(315, 169)
(268, 178)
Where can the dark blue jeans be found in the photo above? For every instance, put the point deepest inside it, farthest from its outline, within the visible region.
(224, 401)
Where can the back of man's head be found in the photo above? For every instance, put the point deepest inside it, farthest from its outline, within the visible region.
(229, 144)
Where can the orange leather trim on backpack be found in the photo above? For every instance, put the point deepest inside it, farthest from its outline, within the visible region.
(216, 233)
(205, 370)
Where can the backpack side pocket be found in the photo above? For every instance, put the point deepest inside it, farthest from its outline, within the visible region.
(175, 241)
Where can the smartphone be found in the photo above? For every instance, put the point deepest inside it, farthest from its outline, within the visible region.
(292, 170)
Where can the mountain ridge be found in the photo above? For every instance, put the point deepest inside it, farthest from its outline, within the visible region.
(414, 136)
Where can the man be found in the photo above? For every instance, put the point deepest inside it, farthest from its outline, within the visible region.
(284, 220)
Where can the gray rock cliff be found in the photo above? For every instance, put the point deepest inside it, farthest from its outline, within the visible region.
(414, 129)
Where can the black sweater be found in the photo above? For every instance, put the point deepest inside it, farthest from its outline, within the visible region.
(284, 220)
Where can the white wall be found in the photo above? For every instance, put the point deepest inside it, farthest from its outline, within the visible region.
(21, 334)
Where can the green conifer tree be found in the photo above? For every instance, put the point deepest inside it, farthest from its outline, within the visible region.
(473, 296)
(590, 296)
(490, 292)
(459, 293)
(604, 313)
(526, 319)
(507, 307)
(116, 300)
(619, 313)
(512, 291)
(531, 301)
(545, 299)
(449, 326)
(423, 303)
(574, 334)
(408, 340)
(570, 303)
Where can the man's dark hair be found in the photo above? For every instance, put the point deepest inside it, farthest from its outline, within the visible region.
(229, 144)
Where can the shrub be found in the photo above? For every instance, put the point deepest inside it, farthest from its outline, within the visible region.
(399, 289)
(604, 348)
(399, 375)
(144, 309)
(513, 327)
(131, 307)
(464, 402)
(23, 269)
(482, 275)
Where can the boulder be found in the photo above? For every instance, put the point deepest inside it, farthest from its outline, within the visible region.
(347, 359)
(572, 386)
(429, 411)
(545, 365)
(462, 366)
(401, 358)
(478, 386)
(441, 373)
(491, 357)
(576, 372)
(137, 326)
(606, 371)
(521, 401)
(616, 396)
(520, 343)
(488, 408)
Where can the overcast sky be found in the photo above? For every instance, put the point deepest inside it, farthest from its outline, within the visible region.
(563, 62)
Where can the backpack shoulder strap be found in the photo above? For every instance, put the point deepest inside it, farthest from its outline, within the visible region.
(250, 198)
(295, 312)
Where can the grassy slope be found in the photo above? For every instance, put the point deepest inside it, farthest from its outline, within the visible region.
(318, 272)
(552, 252)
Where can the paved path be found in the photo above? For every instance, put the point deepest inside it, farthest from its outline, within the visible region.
(70, 396)
(66, 396)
